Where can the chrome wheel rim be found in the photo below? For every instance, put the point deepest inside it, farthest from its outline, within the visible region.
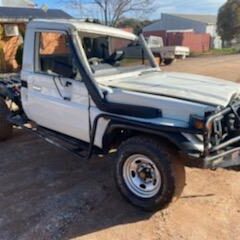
(142, 176)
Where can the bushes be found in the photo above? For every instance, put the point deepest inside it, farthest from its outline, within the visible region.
(216, 52)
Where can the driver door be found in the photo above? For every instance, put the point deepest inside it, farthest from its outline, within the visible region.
(57, 98)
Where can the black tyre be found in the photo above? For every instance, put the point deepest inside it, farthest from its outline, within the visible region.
(5, 126)
(148, 173)
(168, 61)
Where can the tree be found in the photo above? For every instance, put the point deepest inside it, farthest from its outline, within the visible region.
(135, 24)
(113, 10)
(228, 22)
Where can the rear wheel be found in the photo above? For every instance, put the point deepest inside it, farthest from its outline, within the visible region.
(168, 61)
(148, 174)
(5, 125)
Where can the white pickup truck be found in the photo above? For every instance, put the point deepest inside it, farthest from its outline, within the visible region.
(167, 53)
(78, 91)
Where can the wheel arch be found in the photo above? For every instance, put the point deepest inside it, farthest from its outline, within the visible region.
(116, 133)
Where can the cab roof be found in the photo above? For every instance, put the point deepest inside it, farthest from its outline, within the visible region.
(82, 26)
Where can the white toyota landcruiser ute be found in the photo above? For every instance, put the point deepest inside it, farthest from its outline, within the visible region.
(79, 91)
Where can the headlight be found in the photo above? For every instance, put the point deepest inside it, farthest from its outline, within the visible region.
(197, 122)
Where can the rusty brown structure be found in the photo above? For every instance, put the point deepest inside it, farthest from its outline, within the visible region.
(18, 18)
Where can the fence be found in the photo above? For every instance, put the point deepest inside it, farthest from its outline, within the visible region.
(197, 42)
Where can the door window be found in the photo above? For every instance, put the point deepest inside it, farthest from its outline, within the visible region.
(55, 56)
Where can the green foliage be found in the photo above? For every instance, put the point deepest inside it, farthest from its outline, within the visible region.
(97, 21)
(224, 51)
(216, 52)
(134, 23)
(229, 20)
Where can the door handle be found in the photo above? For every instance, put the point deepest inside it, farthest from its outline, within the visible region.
(67, 98)
(68, 83)
(37, 88)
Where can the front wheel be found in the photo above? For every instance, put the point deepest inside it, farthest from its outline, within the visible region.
(148, 174)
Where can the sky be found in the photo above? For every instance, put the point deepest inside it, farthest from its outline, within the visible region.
(165, 6)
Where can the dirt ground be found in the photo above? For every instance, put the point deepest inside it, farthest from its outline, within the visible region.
(47, 193)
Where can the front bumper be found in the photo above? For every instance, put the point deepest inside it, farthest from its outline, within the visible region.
(227, 153)
(230, 158)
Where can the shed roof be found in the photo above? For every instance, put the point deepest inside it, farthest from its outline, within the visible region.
(18, 13)
(209, 19)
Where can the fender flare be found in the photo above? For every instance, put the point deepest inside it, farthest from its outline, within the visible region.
(176, 138)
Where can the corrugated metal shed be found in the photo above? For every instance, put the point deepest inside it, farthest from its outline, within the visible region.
(197, 42)
(202, 26)
(208, 19)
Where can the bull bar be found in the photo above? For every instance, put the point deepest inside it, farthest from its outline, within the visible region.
(222, 155)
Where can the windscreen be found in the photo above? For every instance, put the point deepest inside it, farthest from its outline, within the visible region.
(109, 55)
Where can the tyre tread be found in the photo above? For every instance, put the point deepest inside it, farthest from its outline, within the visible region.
(173, 164)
